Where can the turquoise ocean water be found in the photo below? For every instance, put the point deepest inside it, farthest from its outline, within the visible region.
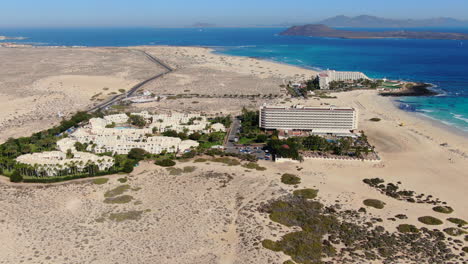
(443, 63)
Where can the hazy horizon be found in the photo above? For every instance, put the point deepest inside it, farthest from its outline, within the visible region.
(146, 13)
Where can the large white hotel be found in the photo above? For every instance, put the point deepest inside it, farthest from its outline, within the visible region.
(318, 120)
(328, 76)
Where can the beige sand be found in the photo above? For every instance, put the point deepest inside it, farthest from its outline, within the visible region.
(39, 84)
(193, 219)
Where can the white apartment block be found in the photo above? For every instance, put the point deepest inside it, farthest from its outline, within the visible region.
(319, 120)
(328, 76)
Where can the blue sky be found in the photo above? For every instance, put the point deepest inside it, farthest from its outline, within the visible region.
(220, 12)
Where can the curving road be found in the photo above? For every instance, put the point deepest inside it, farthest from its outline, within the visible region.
(135, 88)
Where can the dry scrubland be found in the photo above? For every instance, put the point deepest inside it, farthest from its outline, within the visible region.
(37, 83)
(208, 215)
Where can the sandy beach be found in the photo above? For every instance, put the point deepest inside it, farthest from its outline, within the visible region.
(209, 215)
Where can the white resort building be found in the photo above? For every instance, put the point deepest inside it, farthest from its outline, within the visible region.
(120, 140)
(52, 162)
(317, 120)
(328, 76)
(102, 138)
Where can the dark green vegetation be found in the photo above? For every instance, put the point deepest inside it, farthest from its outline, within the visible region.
(452, 231)
(137, 154)
(100, 181)
(327, 232)
(457, 221)
(465, 249)
(165, 163)
(429, 220)
(443, 209)
(16, 176)
(225, 120)
(405, 228)
(306, 193)
(374, 203)
(375, 119)
(393, 190)
(250, 130)
(119, 199)
(137, 120)
(290, 179)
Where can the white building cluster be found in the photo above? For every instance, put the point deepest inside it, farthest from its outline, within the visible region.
(318, 120)
(328, 76)
(120, 140)
(52, 162)
(103, 135)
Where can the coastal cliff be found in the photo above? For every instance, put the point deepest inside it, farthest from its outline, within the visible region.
(319, 30)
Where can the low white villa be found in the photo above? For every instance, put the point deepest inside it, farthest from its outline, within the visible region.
(52, 162)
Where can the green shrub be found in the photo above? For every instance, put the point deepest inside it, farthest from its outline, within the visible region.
(405, 228)
(131, 215)
(289, 262)
(452, 231)
(122, 180)
(165, 163)
(443, 209)
(128, 167)
(374, 203)
(117, 191)
(200, 160)
(188, 169)
(119, 199)
(457, 221)
(174, 171)
(375, 119)
(290, 179)
(100, 181)
(429, 220)
(306, 193)
(465, 249)
(16, 177)
(271, 245)
(137, 154)
(253, 166)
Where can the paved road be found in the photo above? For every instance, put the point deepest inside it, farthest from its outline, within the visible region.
(235, 126)
(135, 88)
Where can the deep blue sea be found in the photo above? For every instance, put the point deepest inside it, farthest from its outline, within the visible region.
(443, 63)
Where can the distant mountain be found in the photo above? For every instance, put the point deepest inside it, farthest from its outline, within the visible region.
(325, 31)
(365, 21)
(203, 25)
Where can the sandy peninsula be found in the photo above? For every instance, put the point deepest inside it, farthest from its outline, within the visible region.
(209, 214)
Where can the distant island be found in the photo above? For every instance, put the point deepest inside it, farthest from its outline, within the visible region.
(11, 38)
(319, 30)
(366, 21)
(203, 25)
